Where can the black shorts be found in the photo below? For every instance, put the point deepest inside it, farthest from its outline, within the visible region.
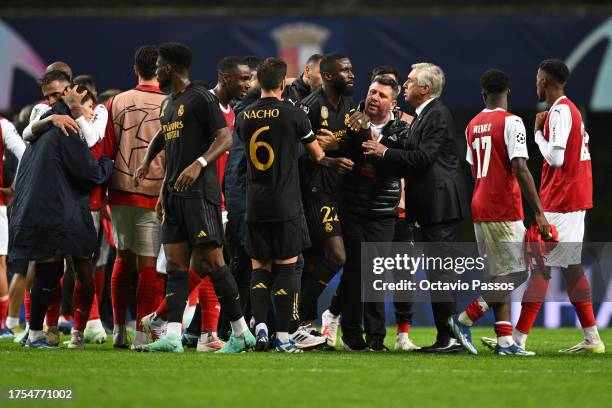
(321, 212)
(18, 266)
(268, 241)
(191, 219)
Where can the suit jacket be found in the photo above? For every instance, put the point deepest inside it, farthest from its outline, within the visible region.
(435, 191)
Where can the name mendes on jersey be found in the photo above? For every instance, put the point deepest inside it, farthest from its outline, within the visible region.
(482, 128)
(261, 114)
(172, 130)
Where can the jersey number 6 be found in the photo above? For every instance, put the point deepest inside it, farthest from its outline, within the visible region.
(254, 145)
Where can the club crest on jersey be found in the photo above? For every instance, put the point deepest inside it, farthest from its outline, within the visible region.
(324, 112)
(346, 119)
(328, 227)
(181, 110)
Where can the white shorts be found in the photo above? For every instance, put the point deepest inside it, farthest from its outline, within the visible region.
(571, 234)
(504, 246)
(136, 230)
(3, 231)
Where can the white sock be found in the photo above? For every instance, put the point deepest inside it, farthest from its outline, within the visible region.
(261, 326)
(505, 341)
(239, 326)
(465, 319)
(283, 337)
(402, 335)
(94, 324)
(330, 314)
(12, 322)
(174, 327)
(519, 338)
(34, 335)
(591, 334)
(204, 336)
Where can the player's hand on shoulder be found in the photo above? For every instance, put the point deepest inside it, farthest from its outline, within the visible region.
(188, 176)
(65, 123)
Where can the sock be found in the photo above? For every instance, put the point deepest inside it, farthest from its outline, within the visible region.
(12, 322)
(503, 330)
(174, 327)
(403, 328)
(194, 281)
(282, 290)
(34, 335)
(209, 306)
(282, 337)
(227, 293)
(95, 309)
(46, 278)
(120, 285)
(519, 338)
(533, 298)
(4, 301)
(176, 295)
(94, 324)
(591, 333)
(334, 305)
(27, 303)
(147, 295)
(579, 293)
(83, 298)
(260, 294)
(53, 311)
(316, 284)
(239, 326)
(473, 311)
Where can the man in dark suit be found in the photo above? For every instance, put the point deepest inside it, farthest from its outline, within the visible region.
(434, 187)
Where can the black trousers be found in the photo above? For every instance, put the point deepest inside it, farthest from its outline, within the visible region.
(444, 303)
(355, 230)
(404, 232)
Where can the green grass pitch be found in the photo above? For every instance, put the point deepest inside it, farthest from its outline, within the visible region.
(101, 376)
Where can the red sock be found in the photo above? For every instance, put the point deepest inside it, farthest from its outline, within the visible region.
(579, 293)
(26, 305)
(120, 284)
(83, 298)
(533, 298)
(95, 310)
(403, 328)
(148, 295)
(503, 329)
(53, 311)
(3, 311)
(209, 306)
(474, 311)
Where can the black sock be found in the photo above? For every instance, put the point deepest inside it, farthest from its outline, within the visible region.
(227, 292)
(334, 305)
(283, 290)
(45, 280)
(177, 291)
(195, 327)
(260, 294)
(316, 284)
(67, 305)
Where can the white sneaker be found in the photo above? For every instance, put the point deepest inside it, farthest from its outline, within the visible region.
(77, 340)
(587, 346)
(52, 336)
(209, 343)
(94, 332)
(329, 327)
(120, 337)
(153, 327)
(305, 340)
(403, 343)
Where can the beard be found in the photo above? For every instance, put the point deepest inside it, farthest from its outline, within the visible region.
(341, 87)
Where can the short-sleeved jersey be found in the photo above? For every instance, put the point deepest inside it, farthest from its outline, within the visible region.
(189, 121)
(570, 187)
(271, 130)
(494, 138)
(323, 115)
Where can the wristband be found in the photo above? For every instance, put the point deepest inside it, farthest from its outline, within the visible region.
(202, 161)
